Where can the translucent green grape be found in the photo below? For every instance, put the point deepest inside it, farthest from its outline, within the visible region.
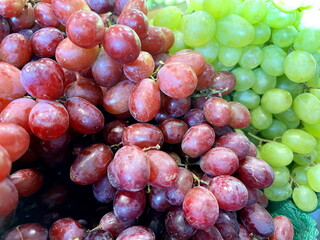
(265, 82)
(300, 66)
(305, 159)
(262, 33)
(229, 56)
(178, 43)
(278, 193)
(288, 5)
(281, 176)
(217, 8)
(260, 118)
(245, 78)
(313, 129)
(299, 141)
(276, 100)
(273, 58)
(198, 28)
(254, 10)
(307, 108)
(308, 40)
(209, 50)
(305, 198)
(313, 176)
(276, 129)
(234, 31)
(284, 37)
(276, 18)
(169, 17)
(248, 98)
(276, 154)
(293, 88)
(299, 175)
(251, 57)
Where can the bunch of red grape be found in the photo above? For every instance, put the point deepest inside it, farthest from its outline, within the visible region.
(107, 107)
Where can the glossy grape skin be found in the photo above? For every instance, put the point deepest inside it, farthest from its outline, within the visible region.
(141, 5)
(48, 120)
(85, 28)
(231, 193)
(157, 199)
(27, 181)
(99, 235)
(14, 139)
(194, 116)
(84, 116)
(9, 199)
(24, 20)
(129, 205)
(200, 208)
(177, 80)
(143, 135)
(240, 115)
(176, 107)
(100, 6)
(177, 226)
(27, 231)
(10, 8)
(217, 111)
(219, 161)
(17, 112)
(257, 220)
(5, 163)
(45, 41)
(255, 172)
(121, 43)
(103, 191)
(211, 233)
(154, 42)
(227, 224)
(136, 232)
(66, 228)
(131, 168)
(283, 228)
(224, 81)
(45, 16)
(91, 164)
(113, 131)
(145, 100)
(15, 49)
(198, 140)
(173, 130)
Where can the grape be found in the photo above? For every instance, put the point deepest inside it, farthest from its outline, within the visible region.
(229, 56)
(312, 44)
(98, 235)
(208, 50)
(145, 100)
(4, 28)
(193, 117)
(260, 118)
(10, 8)
(313, 177)
(289, 118)
(277, 154)
(155, 41)
(272, 98)
(248, 98)
(293, 88)
(45, 16)
(283, 228)
(224, 81)
(5, 163)
(257, 220)
(27, 181)
(276, 18)
(245, 78)
(265, 83)
(243, 233)
(100, 7)
(158, 200)
(200, 208)
(219, 161)
(227, 225)
(24, 20)
(234, 31)
(173, 130)
(192, 145)
(211, 233)
(136, 232)
(217, 8)
(206, 77)
(305, 159)
(9, 199)
(254, 11)
(305, 198)
(66, 228)
(240, 115)
(198, 28)
(278, 193)
(255, 172)
(178, 41)
(299, 141)
(103, 191)
(217, 111)
(27, 231)
(284, 37)
(109, 222)
(281, 176)
(141, 5)
(299, 175)
(276, 130)
(273, 58)
(307, 107)
(176, 107)
(251, 57)
(169, 17)
(262, 33)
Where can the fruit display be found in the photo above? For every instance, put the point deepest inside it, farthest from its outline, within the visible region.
(118, 123)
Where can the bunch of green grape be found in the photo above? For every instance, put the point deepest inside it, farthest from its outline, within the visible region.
(273, 49)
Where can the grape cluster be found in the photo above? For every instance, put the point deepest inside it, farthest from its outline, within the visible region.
(272, 48)
(113, 138)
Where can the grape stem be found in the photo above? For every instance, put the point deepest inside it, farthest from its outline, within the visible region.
(260, 139)
(198, 180)
(94, 229)
(116, 146)
(208, 93)
(155, 73)
(157, 147)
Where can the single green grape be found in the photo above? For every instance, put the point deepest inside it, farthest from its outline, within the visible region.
(308, 40)
(245, 78)
(281, 176)
(293, 88)
(276, 100)
(315, 92)
(265, 82)
(299, 141)
(299, 175)
(313, 176)
(273, 58)
(198, 28)
(251, 57)
(278, 193)
(307, 108)
(262, 33)
(305, 198)
(169, 17)
(260, 118)
(300, 66)
(229, 56)
(276, 154)
(217, 8)
(305, 159)
(254, 10)
(313, 129)
(248, 98)
(289, 118)
(178, 43)
(276, 129)
(276, 18)
(284, 37)
(209, 50)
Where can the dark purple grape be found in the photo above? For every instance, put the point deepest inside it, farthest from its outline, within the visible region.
(227, 225)
(103, 191)
(28, 231)
(99, 235)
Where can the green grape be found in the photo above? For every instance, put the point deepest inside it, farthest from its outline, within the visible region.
(234, 31)
(284, 37)
(278, 193)
(265, 82)
(276, 18)
(248, 98)
(178, 43)
(209, 50)
(315, 92)
(308, 40)
(276, 129)
(169, 17)
(254, 10)
(314, 82)
(276, 100)
(313, 129)
(299, 175)
(273, 58)
(262, 33)
(305, 198)
(218, 66)
(305, 159)
(289, 118)
(196, 5)
(316, 56)
(313, 176)
(276, 154)
(288, 5)
(307, 108)
(251, 57)
(281, 176)
(217, 8)
(260, 118)
(293, 88)
(198, 28)
(236, 6)
(245, 78)
(300, 66)
(229, 56)
(299, 141)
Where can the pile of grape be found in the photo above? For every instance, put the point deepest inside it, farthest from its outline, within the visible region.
(272, 48)
(104, 135)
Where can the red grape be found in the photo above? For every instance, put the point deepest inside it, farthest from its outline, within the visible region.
(109, 222)
(9, 197)
(159, 59)
(45, 16)
(224, 81)
(206, 77)
(176, 107)
(100, 6)
(154, 42)
(118, 5)
(57, 144)
(5, 163)
(141, 5)
(244, 234)
(194, 116)
(27, 231)
(283, 228)
(217, 111)
(65, 229)
(113, 131)
(228, 225)
(173, 130)
(211, 233)
(137, 232)
(11, 8)
(24, 20)
(157, 199)
(240, 115)
(169, 38)
(103, 191)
